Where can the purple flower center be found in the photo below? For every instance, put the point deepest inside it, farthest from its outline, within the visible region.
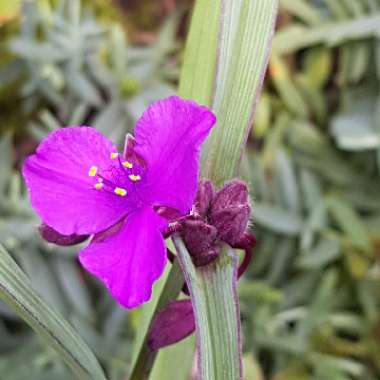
(121, 178)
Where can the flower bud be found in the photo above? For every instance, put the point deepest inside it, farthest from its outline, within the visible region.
(231, 223)
(200, 238)
(204, 198)
(52, 236)
(172, 324)
(231, 194)
(230, 211)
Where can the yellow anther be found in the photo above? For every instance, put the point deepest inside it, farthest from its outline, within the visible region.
(128, 164)
(120, 191)
(134, 177)
(92, 172)
(114, 155)
(98, 185)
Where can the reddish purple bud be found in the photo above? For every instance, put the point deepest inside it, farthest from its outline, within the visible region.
(200, 239)
(231, 223)
(52, 236)
(233, 193)
(230, 211)
(172, 324)
(204, 198)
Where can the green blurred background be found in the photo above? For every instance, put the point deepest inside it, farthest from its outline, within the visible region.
(310, 299)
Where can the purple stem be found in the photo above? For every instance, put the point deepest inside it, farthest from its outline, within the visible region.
(172, 228)
(247, 242)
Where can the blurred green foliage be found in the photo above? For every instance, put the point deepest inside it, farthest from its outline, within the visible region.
(310, 300)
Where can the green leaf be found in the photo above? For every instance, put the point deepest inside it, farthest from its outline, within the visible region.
(241, 51)
(182, 352)
(9, 10)
(244, 46)
(84, 88)
(287, 182)
(252, 369)
(354, 126)
(286, 88)
(6, 159)
(17, 291)
(259, 291)
(350, 223)
(302, 10)
(44, 282)
(199, 65)
(318, 66)
(322, 254)
(277, 219)
(296, 37)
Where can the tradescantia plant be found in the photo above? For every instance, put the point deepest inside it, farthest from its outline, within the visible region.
(217, 65)
(309, 302)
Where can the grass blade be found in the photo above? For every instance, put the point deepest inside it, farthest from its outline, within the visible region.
(199, 65)
(244, 45)
(17, 291)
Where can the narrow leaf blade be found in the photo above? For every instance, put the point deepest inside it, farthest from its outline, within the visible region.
(17, 291)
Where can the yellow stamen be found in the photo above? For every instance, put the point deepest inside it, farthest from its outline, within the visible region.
(128, 164)
(120, 191)
(92, 172)
(134, 177)
(98, 185)
(114, 155)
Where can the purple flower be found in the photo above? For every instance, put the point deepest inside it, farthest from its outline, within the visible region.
(80, 185)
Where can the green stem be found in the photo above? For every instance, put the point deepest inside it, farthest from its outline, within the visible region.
(216, 310)
(145, 357)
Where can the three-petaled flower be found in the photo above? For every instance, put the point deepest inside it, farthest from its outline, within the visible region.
(79, 184)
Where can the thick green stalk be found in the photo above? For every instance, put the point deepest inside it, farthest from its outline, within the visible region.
(199, 64)
(245, 35)
(230, 82)
(216, 309)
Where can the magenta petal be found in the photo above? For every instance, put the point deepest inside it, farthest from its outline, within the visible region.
(168, 137)
(61, 190)
(131, 260)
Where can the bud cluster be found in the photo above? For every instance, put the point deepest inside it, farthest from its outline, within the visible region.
(217, 217)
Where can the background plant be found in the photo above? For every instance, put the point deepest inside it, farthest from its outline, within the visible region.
(310, 299)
